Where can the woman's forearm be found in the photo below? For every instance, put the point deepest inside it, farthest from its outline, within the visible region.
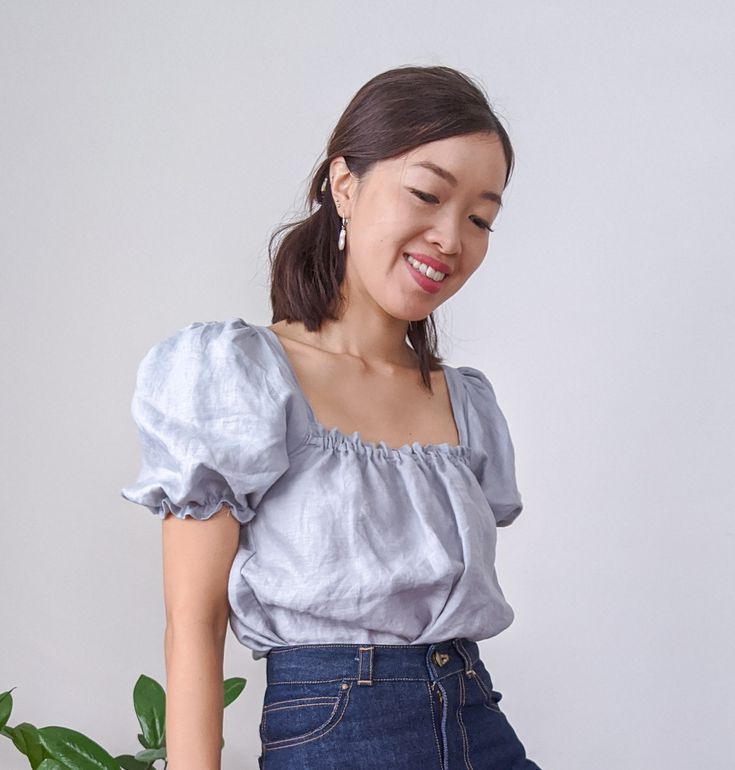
(194, 696)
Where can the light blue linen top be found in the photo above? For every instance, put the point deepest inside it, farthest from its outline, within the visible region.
(346, 541)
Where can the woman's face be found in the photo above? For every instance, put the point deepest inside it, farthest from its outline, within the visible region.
(403, 207)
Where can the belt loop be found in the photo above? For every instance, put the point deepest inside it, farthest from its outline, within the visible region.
(469, 671)
(365, 665)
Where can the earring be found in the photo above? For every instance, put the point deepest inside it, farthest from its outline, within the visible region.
(342, 232)
(342, 235)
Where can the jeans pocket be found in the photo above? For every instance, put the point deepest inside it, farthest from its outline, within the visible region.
(296, 713)
(485, 683)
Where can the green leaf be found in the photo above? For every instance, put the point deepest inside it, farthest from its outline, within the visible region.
(26, 739)
(129, 762)
(151, 755)
(50, 764)
(6, 706)
(142, 742)
(75, 751)
(233, 687)
(149, 699)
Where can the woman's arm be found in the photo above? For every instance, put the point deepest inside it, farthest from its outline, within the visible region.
(197, 556)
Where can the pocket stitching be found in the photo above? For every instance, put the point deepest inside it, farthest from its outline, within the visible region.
(327, 701)
(340, 707)
(300, 702)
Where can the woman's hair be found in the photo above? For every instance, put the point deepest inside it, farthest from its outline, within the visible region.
(392, 113)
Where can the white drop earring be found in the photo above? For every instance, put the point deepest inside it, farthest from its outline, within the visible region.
(342, 236)
(342, 233)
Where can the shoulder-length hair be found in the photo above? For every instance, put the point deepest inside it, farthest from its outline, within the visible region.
(391, 114)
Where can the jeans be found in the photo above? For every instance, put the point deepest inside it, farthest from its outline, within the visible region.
(387, 706)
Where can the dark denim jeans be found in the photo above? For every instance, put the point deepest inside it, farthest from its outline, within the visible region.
(387, 707)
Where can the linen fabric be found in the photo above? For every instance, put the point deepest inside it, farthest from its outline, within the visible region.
(341, 540)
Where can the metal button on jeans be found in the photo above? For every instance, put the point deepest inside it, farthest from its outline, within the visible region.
(440, 658)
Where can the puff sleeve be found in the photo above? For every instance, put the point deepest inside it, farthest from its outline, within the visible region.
(211, 431)
(493, 455)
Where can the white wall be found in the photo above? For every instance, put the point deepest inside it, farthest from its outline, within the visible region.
(147, 151)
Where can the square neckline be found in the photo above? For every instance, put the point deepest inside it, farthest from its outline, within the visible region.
(355, 438)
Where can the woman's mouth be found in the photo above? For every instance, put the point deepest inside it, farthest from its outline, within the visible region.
(426, 277)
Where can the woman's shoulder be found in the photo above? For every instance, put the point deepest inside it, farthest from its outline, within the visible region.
(485, 419)
(210, 349)
(492, 446)
(212, 421)
(231, 337)
(222, 363)
(478, 390)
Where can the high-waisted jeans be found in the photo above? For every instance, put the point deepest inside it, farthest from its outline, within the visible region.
(387, 707)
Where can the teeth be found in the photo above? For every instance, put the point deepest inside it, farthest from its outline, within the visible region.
(423, 268)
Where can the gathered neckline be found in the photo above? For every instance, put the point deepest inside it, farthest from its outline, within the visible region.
(334, 438)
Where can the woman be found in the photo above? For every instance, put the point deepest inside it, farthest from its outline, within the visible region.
(351, 482)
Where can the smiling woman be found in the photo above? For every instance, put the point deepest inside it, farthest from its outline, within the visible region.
(415, 199)
(352, 483)
(428, 137)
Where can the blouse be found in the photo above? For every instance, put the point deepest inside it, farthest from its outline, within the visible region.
(341, 540)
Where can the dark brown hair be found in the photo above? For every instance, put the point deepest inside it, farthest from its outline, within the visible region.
(391, 114)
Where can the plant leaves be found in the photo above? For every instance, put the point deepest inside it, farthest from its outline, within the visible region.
(129, 762)
(142, 742)
(149, 699)
(50, 764)
(151, 755)
(25, 738)
(6, 706)
(74, 751)
(233, 687)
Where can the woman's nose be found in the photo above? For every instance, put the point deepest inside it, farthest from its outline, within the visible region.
(446, 234)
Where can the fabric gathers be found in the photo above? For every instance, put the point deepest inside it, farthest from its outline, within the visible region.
(342, 540)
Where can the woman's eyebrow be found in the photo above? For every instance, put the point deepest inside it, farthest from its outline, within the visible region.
(449, 177)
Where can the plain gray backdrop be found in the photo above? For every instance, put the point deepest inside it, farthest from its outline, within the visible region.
(147, 152)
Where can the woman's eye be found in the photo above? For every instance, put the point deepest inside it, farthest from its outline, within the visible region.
(483, 225)
(427, 198)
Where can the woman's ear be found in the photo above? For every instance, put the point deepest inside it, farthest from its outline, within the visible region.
(343, 184)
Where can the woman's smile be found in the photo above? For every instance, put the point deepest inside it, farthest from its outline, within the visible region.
(426, 277)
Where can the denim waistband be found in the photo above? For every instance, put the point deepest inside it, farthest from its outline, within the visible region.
(368, 663)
